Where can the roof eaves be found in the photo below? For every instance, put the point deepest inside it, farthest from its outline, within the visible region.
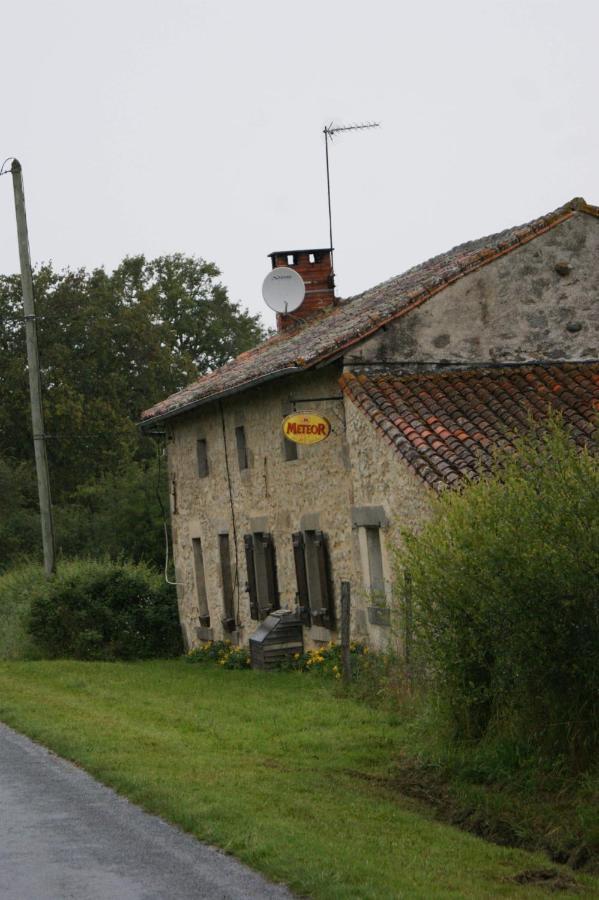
(219, 395)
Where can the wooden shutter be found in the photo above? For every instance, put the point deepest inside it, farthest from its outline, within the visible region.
(250, 587)
(271, 572)
(301, 577)
(326, 591)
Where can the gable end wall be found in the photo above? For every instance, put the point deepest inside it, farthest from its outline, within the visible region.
(514, 309)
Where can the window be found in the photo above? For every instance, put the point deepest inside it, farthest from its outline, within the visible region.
(289, 447)
(242, 453)
(289, 450)
(198, 565)
(376, 578)
(228, 619)
(202, 457)
(262, 584)
(312, 570)
(368, 520)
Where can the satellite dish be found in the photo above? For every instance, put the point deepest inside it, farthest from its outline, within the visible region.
(283, 290)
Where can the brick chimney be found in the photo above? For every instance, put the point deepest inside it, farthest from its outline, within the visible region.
(315, 267)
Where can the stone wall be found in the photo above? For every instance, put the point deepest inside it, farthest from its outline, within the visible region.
(540, 301)
(272, 495)
(381, 478)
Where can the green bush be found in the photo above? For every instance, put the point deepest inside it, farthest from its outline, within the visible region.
(105, 610)
(18, 587)
(505, 596)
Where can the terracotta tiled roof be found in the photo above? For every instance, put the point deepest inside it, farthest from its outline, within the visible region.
(326, 335)
(446, 425)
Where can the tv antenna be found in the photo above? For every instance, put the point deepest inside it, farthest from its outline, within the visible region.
(329, 132)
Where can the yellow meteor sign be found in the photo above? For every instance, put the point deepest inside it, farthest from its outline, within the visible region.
(306, 428)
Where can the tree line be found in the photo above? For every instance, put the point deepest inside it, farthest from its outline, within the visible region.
(111, 344)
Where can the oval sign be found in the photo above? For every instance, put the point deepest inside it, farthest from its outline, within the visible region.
(306, 428)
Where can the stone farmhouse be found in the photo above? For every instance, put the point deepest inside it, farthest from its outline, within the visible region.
(420, 378)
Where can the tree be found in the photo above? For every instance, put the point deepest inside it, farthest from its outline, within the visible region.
(111, 344)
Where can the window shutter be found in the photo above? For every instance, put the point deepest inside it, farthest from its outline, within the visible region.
(250, 587)
(326, 592)
(301, 577)
(271, 572)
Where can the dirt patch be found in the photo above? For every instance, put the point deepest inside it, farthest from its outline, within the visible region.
(550, 879)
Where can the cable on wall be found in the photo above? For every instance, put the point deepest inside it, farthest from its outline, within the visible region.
(230, 487)
(164, 519)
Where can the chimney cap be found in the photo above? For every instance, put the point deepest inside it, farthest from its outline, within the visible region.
(309, 250)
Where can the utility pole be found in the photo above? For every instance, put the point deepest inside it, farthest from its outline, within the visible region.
(33, 365)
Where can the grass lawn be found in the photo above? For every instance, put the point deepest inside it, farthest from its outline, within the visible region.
(278, 769)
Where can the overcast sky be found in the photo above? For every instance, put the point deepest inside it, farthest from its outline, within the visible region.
(196, 126)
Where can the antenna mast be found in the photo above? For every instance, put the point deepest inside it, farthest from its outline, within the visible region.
(329, 131)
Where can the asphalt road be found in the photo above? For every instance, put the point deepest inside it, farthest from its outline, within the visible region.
(63, 836)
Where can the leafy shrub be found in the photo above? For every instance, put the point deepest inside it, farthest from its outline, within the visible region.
(224, 653)
(18, 587)
(105, 610)
(505, 596)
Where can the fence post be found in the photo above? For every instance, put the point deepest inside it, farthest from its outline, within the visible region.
(345, 630)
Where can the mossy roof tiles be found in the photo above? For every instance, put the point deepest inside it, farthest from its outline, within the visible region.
(327, 334)
(472, 412)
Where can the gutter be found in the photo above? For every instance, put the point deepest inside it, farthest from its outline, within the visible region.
(220, 395)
